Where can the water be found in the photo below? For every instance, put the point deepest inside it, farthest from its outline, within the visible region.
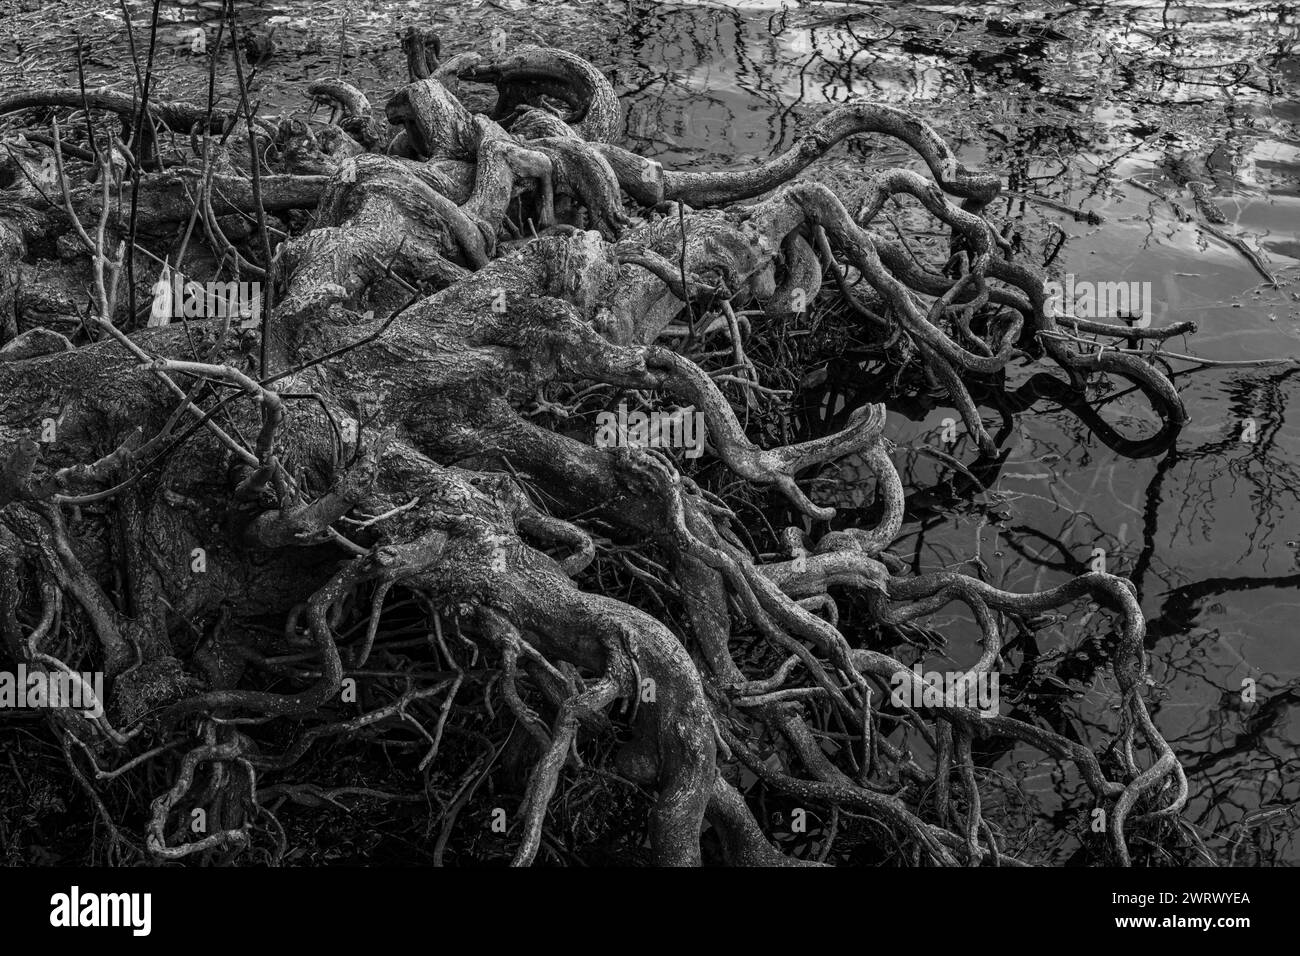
(1074, 102)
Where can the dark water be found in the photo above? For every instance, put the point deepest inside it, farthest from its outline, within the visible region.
(1075, 102)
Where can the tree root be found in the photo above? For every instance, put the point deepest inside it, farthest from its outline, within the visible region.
(535, 257)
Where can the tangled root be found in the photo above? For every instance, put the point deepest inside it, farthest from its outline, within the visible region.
(535, 258)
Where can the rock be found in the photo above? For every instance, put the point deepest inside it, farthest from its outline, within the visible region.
(34, 343)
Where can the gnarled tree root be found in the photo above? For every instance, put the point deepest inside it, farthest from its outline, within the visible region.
(533, 253)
